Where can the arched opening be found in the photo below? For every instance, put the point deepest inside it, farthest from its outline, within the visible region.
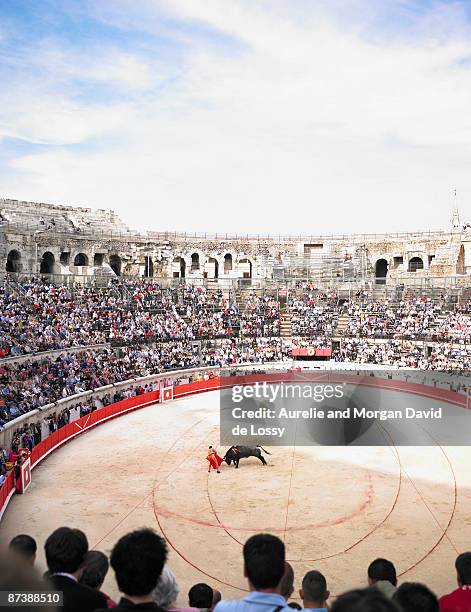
(416, 263)
(98, 260)
(214, 264)
(47, 263)
(148, 266)
(381, 271)
(461, 261)
(245, 267)
(13, 261)
(182, 267)
(115, 264)
(81, 260)
(227, 263)
(65, 258)
(195, 262)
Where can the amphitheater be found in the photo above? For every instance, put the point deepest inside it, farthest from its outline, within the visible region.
(125, 458)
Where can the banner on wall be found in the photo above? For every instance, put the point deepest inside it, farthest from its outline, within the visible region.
(166, 394)
(25, 475)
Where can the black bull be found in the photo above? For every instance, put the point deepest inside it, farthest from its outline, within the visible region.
(235, 453)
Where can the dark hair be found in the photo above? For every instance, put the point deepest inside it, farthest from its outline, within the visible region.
(364, 600)
(416, 597)
(314, 586)
(286, 583)
(23, 544)
(264, 557)
(463, 567)
(200, 596)
(138, 559)
(65, 550)
(95, 569)
(382, 569)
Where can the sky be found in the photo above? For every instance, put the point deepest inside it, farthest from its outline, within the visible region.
(250, 116)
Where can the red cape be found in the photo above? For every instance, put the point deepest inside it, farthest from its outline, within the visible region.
(215, 460)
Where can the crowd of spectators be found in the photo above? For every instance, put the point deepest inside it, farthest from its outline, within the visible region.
(142, 576)
(39, 316)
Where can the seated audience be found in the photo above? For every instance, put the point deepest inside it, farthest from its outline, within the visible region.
(264, 567)
(382, 576)
(459, 600)
(314, 592)
(24, 547)
(138, 559)
(415, 597)
(66, 550)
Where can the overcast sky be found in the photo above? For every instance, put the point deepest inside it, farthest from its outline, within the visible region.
(260, 116)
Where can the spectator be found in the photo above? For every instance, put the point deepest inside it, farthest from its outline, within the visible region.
(264, 567)
(66, 551)
(382, 577)
(415, 597)
(364, 600)
(24, 547)
(138, 559)
(201, 596)
(95, 568)
(287, 582)
(314, 592)
(459, 599)
(216, 599)
(166, 592)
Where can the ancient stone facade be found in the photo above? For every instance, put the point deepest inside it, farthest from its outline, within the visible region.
(65, 240)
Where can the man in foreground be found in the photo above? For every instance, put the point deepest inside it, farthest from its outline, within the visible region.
(264, 567)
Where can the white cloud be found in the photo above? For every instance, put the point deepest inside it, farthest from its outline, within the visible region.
(307, 126)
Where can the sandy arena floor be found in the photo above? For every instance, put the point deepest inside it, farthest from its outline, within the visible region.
(336, 508)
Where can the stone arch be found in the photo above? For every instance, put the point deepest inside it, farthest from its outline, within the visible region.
(47, 263)
(195, 261)
(212, 261)
(64, 258)
(416, 263)
(245, 266)
(460, 262)
(381, 271)
(13, 263)
(148, 266)
(98, 259)
(115, 264)
(180, 261)
(81, 260)
(227, 263)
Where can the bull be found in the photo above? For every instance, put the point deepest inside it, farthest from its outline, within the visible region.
(235, 453)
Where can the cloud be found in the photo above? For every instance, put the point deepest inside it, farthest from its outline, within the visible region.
(303, 117)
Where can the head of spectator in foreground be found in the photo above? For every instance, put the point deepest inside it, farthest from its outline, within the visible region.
(313, 590)
(17, 576)
(65, 550)
(463, 569)
(95, 569)
(264, 562)
(287, 582)
(201, 596)
(24, 546)
(167, 590)
(138, 559)
(364, 600)
(216, 598)
(382, 576)
(415, 597)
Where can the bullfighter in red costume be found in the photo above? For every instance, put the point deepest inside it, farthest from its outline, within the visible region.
(214, 460)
